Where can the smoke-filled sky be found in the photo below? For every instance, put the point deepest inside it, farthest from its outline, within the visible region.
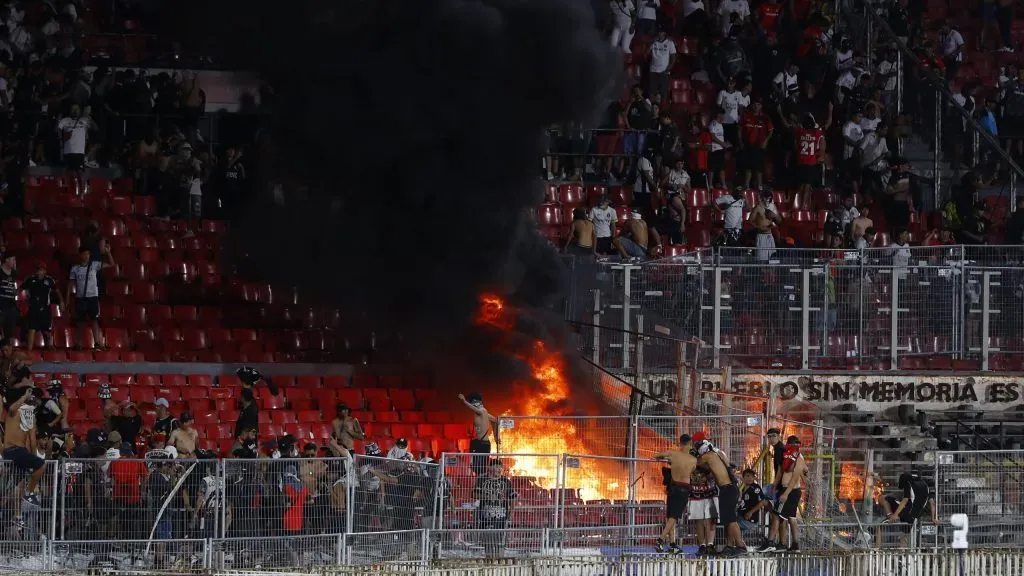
(407, 136)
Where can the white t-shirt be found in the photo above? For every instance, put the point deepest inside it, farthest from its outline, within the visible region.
(678, 180)
(195, 188)
(738, 6)
(848, 80)
(643, 166)
(732, 103)
(84, 279)
(848, 215)
(733, 211)
(622, 11)
(718, 135)
(603, 219)
(787, 82)
(661, 54)
(900, 255)
(79, 130)
(844, 60)
(884, 69)
(874, 149)
(869, 124)
(853, 131)
(950, 43)
(691, 6)
(648, 9)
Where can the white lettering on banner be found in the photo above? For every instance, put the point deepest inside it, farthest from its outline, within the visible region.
(878, 391)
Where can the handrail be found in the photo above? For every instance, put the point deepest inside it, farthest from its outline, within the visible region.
(974, 433)
(940, 85)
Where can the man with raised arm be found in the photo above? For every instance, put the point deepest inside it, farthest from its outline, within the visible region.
(482, 424)
(682, 463)
(19, 446)
(728, 493)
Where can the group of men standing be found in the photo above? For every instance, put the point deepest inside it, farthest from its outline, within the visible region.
(699, 473)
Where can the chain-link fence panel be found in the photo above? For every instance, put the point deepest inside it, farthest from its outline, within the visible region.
(26, 503)
(369, 548)
(179, 556)
(589, 540)
(23, 555)
(392, 495)
(739, 436)
(276, 552)
(489, 543)
(501, 491)
(987, 487)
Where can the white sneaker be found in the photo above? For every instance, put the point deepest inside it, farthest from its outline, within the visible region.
(91, 164)
(1005, 49)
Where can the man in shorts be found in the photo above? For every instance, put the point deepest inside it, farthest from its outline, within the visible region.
(728, 493)
(682, 463)
(703, 510)
(20, 445)
(787, 507)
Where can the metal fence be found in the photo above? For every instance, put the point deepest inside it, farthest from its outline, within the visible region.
(881, 308)
(988, 486)
(601, 435)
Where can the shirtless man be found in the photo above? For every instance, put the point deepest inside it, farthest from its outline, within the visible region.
(482, 424)
(582, 236)
(793, 469)
(346, 429)
(765, 216)
(678, 490)
(728, 494)
(184, 438)
(636, 237)
(20, 443)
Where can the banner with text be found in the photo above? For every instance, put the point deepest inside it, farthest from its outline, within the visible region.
(878, 392)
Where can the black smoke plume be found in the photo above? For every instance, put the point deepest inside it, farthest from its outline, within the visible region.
(400, 163)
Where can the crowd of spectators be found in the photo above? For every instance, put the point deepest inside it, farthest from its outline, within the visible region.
(742, 98)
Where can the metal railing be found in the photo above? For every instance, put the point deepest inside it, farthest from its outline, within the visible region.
(880, 308)
(987, 486)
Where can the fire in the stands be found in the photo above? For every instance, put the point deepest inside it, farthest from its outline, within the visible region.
(546, 430)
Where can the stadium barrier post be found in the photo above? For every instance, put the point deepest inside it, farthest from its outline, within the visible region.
(58, 481)
(638, 373)
(222, 517)
(869, 486)
(339, 552)
(597, 323)
(626, 309)
(937, 152)
(717, 307)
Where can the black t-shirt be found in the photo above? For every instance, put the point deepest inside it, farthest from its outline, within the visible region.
(39, 291)
(496, 495)
(778, 455)
(158, 488)
(248, 419)
(639, 115)
(8, 289)
(752, 496)
(165, 425)
(915, 489)
(127, 427)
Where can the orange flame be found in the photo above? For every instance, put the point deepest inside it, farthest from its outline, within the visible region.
(851, 482)
(593, 479)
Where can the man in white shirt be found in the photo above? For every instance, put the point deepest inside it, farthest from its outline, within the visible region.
(733, 103)
(716, 159)
(874, 160)
(900, 250)
(663, 58)
(788, 81)
(74, 131)
(604, 218)
(740, 7)
(732, 208)
(623, 24)
(853, 135)
(849, 211)
(647, 17)
(952, 43)
(83, 283)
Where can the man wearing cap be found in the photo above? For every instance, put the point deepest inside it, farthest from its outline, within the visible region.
(400, 451)
(482, 425)
(184, 438)
(682, 464)
(128, 423)
(793, 470)
(728, 493)
(496, 494)
(165, 422)
(636, 237)
(345, 428)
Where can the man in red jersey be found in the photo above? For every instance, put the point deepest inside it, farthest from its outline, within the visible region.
(699, 147)
(769, 14)
(810, 149)
(756, 129)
